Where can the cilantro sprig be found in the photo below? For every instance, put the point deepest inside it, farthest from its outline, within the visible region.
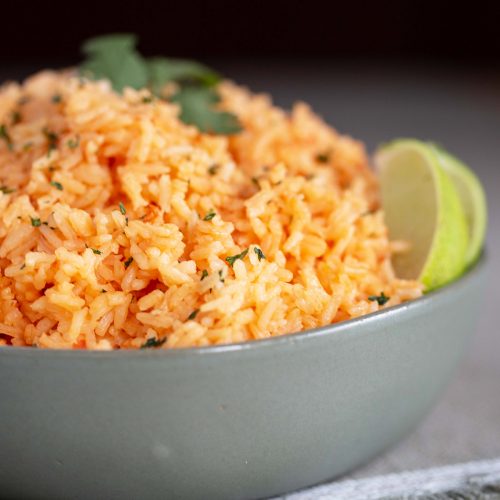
(116, 58)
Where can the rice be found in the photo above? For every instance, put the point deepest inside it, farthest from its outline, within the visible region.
(120, 226)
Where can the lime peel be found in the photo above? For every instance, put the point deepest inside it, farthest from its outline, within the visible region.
(422, 206)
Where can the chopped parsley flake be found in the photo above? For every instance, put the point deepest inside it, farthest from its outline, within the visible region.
(4, 134)
(210, 215)
(204, 274)
(213, 169)
(380, 299)
(35, 222)
(96, 251)
(15, 117)
(232, 259)
(256, 182)
(6, 190)
(193, 314)
(128, 262)
(56, 98)
(122, 208)
(57, 185)
(52, 138)
(260, 253)
(73, 143)
(152, 342)
(323, 157)
(221, 277)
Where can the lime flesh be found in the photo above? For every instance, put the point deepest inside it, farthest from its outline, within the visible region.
(422, 207)
(473, 199)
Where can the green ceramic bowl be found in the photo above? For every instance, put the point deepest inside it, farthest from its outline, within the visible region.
(237, 421)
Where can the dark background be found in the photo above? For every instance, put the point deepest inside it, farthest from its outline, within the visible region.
(449, 33)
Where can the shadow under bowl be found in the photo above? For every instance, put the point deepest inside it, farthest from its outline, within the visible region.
(236, 421)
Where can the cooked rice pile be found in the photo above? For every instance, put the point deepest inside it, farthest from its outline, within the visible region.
(116, 220)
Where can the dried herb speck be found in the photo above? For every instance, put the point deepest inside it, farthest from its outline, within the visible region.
(233, 258)
(152, 342)
(260, 253)
(210, 215)
(193, 314)
(380, 299)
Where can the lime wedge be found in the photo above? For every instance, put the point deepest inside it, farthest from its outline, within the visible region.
(422, 207)
(473, 199)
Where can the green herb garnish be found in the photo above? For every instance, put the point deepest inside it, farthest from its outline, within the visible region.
(381, 299)
(73, 143)
(56, 98)
(4, 134)
(210, 215)
(128, 262)
(232, 259)
(193, 314)
(221, 277)
(198, 108)
(35, 222)
(260, 253)
(6, 190)
(57, 185)
(323, 157)
(152, 342)
(115, 57)
(96, 251)
(52, 139)
(122, 208)
(204, 274)
(15, 117)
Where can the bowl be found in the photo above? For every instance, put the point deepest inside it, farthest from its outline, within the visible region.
(246, 420)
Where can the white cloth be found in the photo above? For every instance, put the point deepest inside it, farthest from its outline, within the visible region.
(472, 480)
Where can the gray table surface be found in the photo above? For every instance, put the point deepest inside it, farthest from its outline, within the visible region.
(461, 110)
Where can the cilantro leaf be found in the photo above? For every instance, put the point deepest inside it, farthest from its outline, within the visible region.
(152, 342)
(163, 70)
(259, 253)
(381, 299)
(198, 108)
(210, 215)
(193, 314)
(114, 57)
(233, 258)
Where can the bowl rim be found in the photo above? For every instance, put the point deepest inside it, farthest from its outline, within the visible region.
(259, 344)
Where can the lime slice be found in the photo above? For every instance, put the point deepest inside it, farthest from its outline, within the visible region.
(473, 199)
(422, 207)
